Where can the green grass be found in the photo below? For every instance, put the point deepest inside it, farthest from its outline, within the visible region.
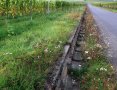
(113, 10)
(29, 48)
(100, 74)
(97, 73)
(111, 6)
(109, 9)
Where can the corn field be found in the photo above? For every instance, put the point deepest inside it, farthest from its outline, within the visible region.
(14, 8)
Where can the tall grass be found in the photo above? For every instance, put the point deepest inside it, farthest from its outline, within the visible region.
(29, 48)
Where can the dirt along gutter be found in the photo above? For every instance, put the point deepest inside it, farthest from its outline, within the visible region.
(83, 65)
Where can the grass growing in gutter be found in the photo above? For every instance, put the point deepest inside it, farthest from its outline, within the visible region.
(29, 48)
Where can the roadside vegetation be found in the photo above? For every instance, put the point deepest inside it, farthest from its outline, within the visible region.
(100, 75)
(97, 73)
(112, 6)
(31, 39)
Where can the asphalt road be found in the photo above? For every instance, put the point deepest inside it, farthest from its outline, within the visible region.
(107, 22)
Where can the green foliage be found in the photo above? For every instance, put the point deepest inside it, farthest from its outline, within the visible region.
(99, 75)
(110, 5)
(29, 48)
(14, 8)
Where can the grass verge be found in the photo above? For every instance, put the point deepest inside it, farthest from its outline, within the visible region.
(97, 73)
(113, 10)
(29, 48)
(111, 6)
(100, 75)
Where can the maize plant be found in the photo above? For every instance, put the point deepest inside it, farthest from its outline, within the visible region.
(14, 8)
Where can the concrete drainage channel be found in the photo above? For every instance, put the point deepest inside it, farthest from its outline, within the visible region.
(61, 76)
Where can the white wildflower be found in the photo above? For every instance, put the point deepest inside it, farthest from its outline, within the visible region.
(101, 69)
(10, 53)
(112, 67)
(79, 65)
(73, 81)
(90, 34)
(98, 79)
(46, 50)
(38, 57)
(108, 44)
(105, 69)
(88, 58)
(58, 46)
(7, 53)
(60, 41)
(98, 45)
(86, 52)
